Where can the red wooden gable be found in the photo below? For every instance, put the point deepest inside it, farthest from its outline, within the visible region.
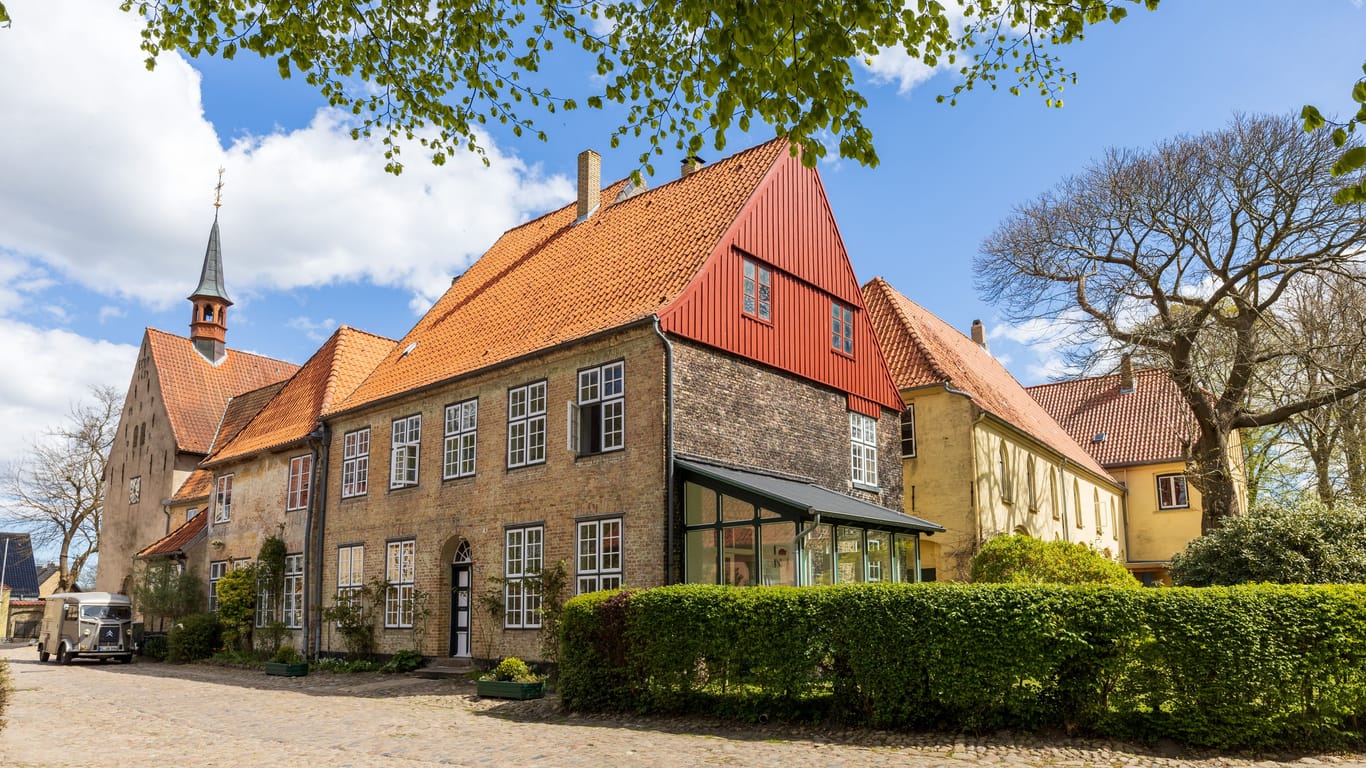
(787, 226)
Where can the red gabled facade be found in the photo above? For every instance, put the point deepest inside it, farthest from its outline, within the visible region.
(787, 226)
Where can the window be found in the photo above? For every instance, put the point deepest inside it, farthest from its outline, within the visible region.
(841, 328)
(526, 425)
(462, 423)
(190, 513)
(522, 569)
(355, 463)
(222, 508)
(599, 555)
(1076, 504)
(404, 450)
(300, 481)
(217, 570)
(134, 490)
(1053, 493)
(758, 291)
(1095, 498)
(1031, 486)
(350, 571)
(863, 449)
(398, 573)
(265, 602)
(908, 432)
(1003, 471)
(600, 425)
(1171, 492)
(292, 602)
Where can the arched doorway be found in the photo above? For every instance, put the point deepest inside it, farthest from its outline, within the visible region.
(461, 596)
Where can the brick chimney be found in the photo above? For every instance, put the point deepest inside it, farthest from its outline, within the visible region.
(979, 333)
(1126, 374)
(590, 183)
(690, 164)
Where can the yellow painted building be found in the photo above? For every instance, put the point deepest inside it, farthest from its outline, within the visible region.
(980, 456)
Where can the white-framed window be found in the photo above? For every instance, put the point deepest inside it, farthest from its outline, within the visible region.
(398, 573)
(599, 555)
(222, 500)
(526, 424)
(300, 482)
(190, 513)
(292, 600)
(350, 571)
(135, 490)
(597, 421)
(404, 451)
(217, 570)
(863, 449)
(265, 602)
(758, 290)
(458, 451)
(908, 432)
(521, 571)
(841, 328)
(355, 463)
(1172, 492)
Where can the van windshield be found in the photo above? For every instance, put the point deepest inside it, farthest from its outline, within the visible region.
(117, 612)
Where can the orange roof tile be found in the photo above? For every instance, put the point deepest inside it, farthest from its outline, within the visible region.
(195, 390)
(923, 350)
(178, 539)
(550, 281)
(241, 410)
(333, 372)
(196, 486)
(1151, 424)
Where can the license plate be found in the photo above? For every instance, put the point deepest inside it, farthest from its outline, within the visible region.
(109, 648)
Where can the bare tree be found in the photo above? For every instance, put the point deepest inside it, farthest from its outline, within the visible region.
(57, 490)
(1183, 253)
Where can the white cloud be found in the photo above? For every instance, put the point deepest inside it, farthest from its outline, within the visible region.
(316, 330)
(109, 172)
(894, 65)
(1041, 345)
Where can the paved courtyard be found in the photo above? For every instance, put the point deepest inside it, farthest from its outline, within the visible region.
(159, 714)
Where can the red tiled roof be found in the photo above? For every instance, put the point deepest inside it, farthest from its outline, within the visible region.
(923, 350)
(333, 372)
(241, 410)
(178, 539)
(1151, 424)
(196, 486)
(550, 281)
(196, 390)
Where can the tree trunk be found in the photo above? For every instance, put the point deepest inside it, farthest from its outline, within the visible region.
(1211, 472)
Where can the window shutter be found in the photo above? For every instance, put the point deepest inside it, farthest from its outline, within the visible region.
(571, 426)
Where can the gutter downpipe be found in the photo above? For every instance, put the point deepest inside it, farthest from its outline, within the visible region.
(319, 439)
(668, 452)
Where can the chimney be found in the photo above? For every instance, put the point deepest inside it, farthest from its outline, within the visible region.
(690, 164)
(590, 183)
(979, 333)
(1126, 374)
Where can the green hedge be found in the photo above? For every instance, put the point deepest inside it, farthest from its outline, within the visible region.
(1257, 666)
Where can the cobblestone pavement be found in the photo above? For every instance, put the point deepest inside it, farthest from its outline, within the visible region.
(159, 714)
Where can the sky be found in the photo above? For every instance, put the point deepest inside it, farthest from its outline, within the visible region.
(107, 175)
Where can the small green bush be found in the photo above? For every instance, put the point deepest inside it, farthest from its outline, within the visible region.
(335, 664)
(514, 670)
(1304, 543)
(403, 661)
(194, 637)
(287, 655)
(1019, 559)
(155, 647)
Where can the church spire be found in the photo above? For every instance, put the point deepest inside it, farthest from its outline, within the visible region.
(209, 320)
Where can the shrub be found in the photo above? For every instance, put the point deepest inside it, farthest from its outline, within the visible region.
(155, 647)
(237, 605)
(286, 654)
(514, 670)
(1019, 559)
(403, 661)
(1302, 543)
(194, 637)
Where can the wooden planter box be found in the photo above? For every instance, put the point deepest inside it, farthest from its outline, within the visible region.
(296, 669)
(501, 689)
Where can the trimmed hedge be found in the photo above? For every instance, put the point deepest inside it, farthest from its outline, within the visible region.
(1256, 667)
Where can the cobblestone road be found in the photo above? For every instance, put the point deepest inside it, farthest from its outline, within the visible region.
(156, 714)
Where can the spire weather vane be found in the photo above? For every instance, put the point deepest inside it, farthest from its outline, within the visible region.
(218, 191)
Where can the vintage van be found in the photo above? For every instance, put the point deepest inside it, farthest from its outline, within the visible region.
(86, 624)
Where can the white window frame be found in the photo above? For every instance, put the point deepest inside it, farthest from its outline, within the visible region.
(460, 444)
(523, 558)
(355, 463)
(190, 513)
(292, 599)
(135, 489)
(526, 424)
(222, 499)
(217, 570)
(1176, 481)
(908, 432)
(300, 482)
(841, 327)
(265, 603)
(597, 422)
(350, 571)
(599, 554)
(863, 450)
(399, 574)
(405, 451)
(757, 290)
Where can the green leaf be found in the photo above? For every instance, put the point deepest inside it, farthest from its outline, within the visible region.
(1350, 161)
(1359, 92)
(1313, 119)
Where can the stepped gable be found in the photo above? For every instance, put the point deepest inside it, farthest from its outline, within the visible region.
(195, 390)
(553, 280)
(1151, 424)
(333, 372)
(922, 350)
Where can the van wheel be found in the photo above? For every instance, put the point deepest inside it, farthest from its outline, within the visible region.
(126, 659)
(43, 655)
(64, 655)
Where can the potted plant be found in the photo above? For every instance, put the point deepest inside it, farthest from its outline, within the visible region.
(511, 679)
(287, 663)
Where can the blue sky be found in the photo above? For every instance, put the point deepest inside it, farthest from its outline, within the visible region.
(107, 175)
